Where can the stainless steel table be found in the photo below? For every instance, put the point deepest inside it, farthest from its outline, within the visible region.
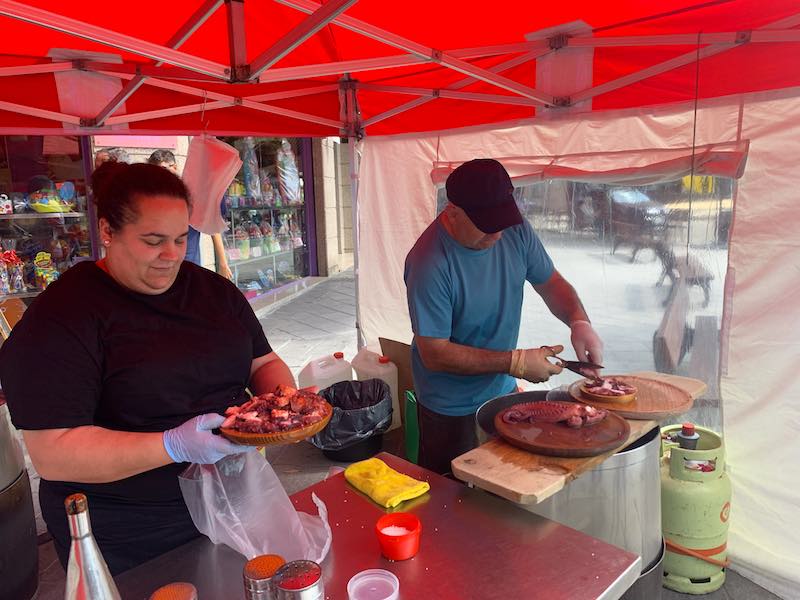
(474, 546)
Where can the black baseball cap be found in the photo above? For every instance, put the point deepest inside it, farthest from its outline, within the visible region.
(483, 190)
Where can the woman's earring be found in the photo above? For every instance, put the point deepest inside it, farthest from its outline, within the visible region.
(106, 242)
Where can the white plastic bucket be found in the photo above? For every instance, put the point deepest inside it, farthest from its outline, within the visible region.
(325, 371)
(369, 365)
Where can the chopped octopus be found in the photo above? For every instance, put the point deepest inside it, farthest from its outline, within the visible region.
(285, 409)
(608, 386)
(573, 414)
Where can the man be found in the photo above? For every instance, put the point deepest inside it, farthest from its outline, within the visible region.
(166, 159)
(465, 277)
(110, 154)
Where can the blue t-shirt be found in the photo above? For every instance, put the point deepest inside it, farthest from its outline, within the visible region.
(193, 246)
(471, 297)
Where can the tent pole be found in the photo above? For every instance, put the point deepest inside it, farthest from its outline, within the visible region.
(353, 129)
(354, 170)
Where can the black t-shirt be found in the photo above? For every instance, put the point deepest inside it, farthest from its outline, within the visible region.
(91, 352)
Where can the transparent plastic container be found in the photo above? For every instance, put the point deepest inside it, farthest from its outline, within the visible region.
(325, 371)
(369, 365)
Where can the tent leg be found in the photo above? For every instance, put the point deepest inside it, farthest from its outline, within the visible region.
(354, 170)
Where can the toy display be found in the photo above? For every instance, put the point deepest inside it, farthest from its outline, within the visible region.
(14, 273)
(265, 210)
(44, 269)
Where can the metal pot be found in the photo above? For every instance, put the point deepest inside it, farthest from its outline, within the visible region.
(19, 554)
(618, 502)
(12, 462)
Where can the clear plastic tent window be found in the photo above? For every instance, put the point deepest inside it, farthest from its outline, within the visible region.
(644, 260)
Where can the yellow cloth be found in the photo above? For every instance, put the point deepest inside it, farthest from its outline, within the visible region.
(383, 484)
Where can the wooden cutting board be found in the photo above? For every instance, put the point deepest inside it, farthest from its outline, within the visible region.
(655, 399)
(557, 439)
(527, 478)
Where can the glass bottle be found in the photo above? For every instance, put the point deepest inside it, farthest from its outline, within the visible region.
(88, 577)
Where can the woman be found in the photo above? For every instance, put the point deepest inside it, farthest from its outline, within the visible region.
(118, 371)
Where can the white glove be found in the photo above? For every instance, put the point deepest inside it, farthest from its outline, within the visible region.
(193, 441)
(587, 344)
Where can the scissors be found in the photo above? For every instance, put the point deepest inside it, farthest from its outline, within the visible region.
(580, 367)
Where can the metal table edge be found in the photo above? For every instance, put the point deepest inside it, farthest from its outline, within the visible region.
(624, 582)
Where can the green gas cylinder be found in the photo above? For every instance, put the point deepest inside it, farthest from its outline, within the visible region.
(695, 506)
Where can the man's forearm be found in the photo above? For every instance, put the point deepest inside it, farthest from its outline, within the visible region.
(562, 300)
(443, 355)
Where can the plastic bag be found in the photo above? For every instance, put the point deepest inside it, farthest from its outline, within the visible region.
(210, 167)
(360, 409)
(241, 503)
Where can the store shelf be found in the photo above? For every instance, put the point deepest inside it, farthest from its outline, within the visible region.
(278, 208)
(54, 215)
(20, 295)
(240, 263)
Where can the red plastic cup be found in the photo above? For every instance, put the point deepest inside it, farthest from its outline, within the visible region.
(395, 544)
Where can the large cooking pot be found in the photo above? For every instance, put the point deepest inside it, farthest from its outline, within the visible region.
(619, 501)
(11, 461)
(19, 553)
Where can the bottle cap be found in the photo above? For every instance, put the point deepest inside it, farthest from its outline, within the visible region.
(298, 575)
(76, 504)
(175, 591)
(338, 355)
(263, 567)
(383, 360)
(687, 429)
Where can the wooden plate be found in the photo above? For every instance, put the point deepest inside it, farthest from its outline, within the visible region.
(654, 399)
(556, 439)
(624, 399)
(279, 437)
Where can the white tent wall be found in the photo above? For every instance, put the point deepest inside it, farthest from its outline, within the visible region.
(760, 332)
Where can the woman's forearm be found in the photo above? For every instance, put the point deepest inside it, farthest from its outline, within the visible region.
(268, 375)
(90, 454)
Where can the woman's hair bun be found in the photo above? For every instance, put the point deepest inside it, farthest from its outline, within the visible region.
(117, 186)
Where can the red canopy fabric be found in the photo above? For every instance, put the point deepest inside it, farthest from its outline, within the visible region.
(686, 49)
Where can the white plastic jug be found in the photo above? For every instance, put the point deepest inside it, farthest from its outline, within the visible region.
(325, 371)
(369, 365)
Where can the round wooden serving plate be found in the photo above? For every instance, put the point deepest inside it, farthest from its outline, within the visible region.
(609, 399)
(557, 439)
(279, 437)
(654, 400)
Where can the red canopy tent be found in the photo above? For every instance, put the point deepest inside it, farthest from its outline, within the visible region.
(297, 67)
(666, 76)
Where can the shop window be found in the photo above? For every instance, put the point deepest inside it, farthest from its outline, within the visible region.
(266, 211)
(43, 212)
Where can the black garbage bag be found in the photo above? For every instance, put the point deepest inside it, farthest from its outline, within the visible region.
(362, 410)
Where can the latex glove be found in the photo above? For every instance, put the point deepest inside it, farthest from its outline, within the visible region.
(534, 364)
(193, 441)
(587, 344)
